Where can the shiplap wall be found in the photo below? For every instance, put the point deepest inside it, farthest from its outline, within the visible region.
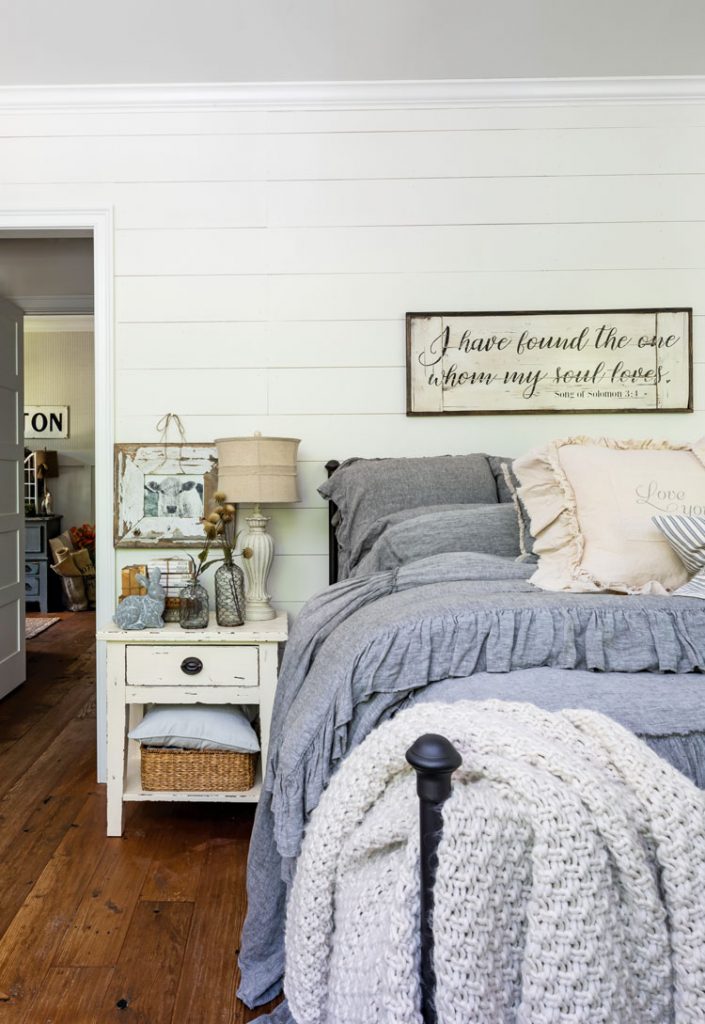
(265, 260)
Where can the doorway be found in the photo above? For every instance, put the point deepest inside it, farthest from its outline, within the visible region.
(97, 227)
(59, 450)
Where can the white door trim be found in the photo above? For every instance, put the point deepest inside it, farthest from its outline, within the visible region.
(100, 223)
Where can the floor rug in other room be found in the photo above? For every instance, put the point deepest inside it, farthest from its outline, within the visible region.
(33, 627)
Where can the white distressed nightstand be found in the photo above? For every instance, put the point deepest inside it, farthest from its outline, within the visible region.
(217, 665)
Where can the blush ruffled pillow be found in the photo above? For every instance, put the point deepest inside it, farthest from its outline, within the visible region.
(591, 502)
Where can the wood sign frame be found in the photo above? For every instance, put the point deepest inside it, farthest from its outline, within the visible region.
(162, 492)
(549, 361)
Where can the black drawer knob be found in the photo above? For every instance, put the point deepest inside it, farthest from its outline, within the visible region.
(191, 666)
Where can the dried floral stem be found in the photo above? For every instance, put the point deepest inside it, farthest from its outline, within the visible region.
(219, 529)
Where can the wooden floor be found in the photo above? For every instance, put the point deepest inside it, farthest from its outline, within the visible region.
(139, 929)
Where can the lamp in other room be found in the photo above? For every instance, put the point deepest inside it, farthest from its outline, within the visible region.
(46, 465)
(255, 471)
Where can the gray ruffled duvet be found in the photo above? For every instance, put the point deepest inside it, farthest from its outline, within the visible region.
(454, 626)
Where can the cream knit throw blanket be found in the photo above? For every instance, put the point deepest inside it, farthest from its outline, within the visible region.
(571, 879)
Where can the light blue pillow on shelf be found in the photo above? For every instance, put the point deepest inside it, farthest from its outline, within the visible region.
(686, 535)
(197, 727)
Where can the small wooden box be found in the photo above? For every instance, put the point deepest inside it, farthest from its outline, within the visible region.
(129, 585)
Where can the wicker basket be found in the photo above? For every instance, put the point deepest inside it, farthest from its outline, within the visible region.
(170, 768)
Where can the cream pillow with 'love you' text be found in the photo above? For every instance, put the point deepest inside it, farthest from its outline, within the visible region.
(591, 503)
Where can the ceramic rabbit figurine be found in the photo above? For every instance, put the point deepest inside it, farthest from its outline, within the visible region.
(143, 612)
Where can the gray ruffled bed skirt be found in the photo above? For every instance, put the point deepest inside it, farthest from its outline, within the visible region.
(686, 752)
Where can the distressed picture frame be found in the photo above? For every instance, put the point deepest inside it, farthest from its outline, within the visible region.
(549, 361)
(161, 494)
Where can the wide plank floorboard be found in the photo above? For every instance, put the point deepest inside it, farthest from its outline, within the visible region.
(143, 989)
(29, 945)
(32, 847)
(69, 995)
(212, 951)
(179, 855)
(96, 930)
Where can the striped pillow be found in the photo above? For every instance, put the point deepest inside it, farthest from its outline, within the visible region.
(686, 535)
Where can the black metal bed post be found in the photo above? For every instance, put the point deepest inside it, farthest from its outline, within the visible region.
(331, 467)
(434, 758)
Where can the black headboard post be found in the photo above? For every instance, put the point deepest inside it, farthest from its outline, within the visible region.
(331, 467)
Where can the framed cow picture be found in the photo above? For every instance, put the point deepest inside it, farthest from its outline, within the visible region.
(161, 494)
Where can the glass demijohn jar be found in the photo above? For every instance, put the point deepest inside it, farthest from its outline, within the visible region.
(229, 594)
(193, 606)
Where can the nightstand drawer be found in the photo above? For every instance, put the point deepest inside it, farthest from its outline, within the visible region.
(31, 568)
(31, 586)
(195, 665)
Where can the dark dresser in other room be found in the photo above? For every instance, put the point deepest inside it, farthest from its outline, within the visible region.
(41, 585)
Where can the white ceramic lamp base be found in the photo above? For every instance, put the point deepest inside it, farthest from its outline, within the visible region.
(258, 549)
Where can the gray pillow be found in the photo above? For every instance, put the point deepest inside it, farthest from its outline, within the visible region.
(380, 525)
(367, 489)
(486, 529)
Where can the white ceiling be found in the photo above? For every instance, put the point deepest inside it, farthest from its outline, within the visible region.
(47, 275)
(133, 41)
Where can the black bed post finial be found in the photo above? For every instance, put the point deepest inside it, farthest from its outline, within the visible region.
(434, 759)
(331, 467)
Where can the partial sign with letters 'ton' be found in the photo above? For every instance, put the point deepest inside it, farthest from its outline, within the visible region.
(41, 421)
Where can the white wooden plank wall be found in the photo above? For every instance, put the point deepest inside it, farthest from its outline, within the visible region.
(264, 262)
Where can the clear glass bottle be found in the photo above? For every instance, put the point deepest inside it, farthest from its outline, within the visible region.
(193, 606)
(229, 594)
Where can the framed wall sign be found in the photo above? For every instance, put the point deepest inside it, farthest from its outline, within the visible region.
(46, 421)
(161, 491)
(598, 360)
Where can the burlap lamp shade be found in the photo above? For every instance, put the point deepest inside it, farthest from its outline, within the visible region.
(258, 470)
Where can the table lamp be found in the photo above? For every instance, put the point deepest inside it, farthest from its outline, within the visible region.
(257, 470)
(46, 466)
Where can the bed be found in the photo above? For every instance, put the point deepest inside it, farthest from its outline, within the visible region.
(446, 625)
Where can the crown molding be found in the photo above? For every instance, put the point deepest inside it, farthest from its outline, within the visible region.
(351, 95)
(55, 305)
(68, 324)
